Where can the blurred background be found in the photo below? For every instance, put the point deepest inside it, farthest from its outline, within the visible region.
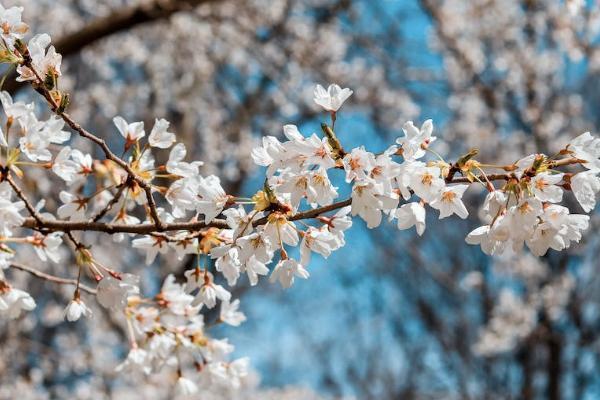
(391, 315)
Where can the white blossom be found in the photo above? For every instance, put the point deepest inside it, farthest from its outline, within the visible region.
(320, 241)
(159, 136)
(586, 147)
(14, 110)
(75, 309)
(489, 239)
(186, 387)
(152, 245)
(176, 165)
(411, 214)
(208, 291)
(229, 374)
(10, 212)
(175, 297)
(585, 185)
(332, 98)
(369, 200)
(286, 271)
(426, 182)
(544, 187)
(137, 360)
(212, 197)
(12, 26)
(229, 313)
(415, 141)
(254, 267)
(47, 247)
(45, 60)
(73, 207)
(132, 132)
(113, 293)
(14, 301)
(450, 202)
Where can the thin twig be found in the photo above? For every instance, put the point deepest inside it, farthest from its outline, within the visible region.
(110, 204)
(22, 196)
(52, 278)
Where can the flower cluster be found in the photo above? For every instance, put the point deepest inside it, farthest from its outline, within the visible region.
(525, 210)
(172, 208)
(169, 330)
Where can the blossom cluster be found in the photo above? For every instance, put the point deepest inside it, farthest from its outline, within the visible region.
(298, 207)
(170, 332)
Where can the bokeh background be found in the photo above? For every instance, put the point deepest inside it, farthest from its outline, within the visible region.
(392, 315)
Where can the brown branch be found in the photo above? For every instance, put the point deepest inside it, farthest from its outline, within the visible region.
(52, 278)
(314, 213)
(149, 228)
(36, 216)
(145, 228)
(110, 204)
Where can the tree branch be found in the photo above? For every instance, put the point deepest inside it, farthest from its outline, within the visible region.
(149, 228)
(110, 204)
(52, 278)
(36, 216)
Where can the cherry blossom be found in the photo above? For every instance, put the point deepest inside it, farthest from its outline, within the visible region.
(230, 314)
(415, 141)
(14, 110)
(426, 182)
(212, 197)
(72, 165)
(208, 292)
(177, 166)
(449, 202)
(186, 387)
(332, 98)
(585, 185)
(12, 26)
(254, 267)
(73, 207)
(586, 147)
(45, 62)
(132, 132)
(286, 271)
(152, 245)
(113, 293)
(162, 206)
(159, 136)
(137, 360)
(47, 247)
(14, 301)
(10, 212)
(75, 310)
(544, 187)
(411, 214)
